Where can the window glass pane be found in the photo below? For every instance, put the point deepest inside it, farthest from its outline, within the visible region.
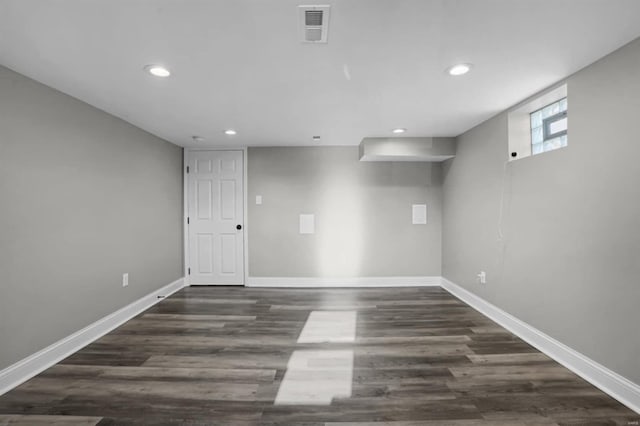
(541, 125)
(563, 104)
(552, 144)
(536, 135)
(547, 111)
(536, 119)
(550, 110)
(537, 148)
(558, 126)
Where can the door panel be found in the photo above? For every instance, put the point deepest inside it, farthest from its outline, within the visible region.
(215, 208)
(228, 250)
(227, 199)
(203, 199)
(204, 254)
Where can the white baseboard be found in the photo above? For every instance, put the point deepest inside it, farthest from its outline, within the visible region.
(598, 375)
(23, 370)
(310, 282)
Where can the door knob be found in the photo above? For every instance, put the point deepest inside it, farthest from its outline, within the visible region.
(238, 227)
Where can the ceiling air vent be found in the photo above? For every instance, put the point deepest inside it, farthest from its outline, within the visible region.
(314, 23)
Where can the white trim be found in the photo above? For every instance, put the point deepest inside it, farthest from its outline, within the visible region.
(185, 214)
(34, 364)
(245, 178)
(306, 282)
(598, 375)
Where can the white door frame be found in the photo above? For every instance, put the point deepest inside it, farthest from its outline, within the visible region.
(185, 207)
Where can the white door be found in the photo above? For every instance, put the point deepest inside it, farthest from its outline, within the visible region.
(215, 217)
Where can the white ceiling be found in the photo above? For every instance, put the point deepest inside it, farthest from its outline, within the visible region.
(239, 63)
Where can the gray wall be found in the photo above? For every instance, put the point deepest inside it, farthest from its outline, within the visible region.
(84, 198)
(363, 214)
(570, 258)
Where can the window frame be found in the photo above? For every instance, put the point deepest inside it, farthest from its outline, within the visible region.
(546, 126)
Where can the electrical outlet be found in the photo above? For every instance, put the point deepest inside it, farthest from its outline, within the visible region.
(482, 277)
(125, 280)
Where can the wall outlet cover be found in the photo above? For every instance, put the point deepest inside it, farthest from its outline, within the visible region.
(419, 214)
(307, 224)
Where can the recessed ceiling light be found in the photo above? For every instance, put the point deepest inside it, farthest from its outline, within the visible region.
(399, 130)
(230, 132)
(459, 69)
(157, 70)
(197, 138)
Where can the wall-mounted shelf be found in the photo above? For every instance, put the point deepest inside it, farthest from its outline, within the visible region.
(407, 149)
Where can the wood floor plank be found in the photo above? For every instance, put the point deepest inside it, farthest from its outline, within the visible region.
(202, 317)
(471, 422)
(211, 375)
(222, 355)
(35, 420)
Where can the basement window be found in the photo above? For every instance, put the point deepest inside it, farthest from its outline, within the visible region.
(549, 127)
(539, 124)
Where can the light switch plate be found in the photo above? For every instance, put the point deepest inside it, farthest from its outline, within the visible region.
(307, 224)
(258, 199)
(125, 280)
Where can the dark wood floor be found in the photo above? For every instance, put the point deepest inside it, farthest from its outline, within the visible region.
(210, 355)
